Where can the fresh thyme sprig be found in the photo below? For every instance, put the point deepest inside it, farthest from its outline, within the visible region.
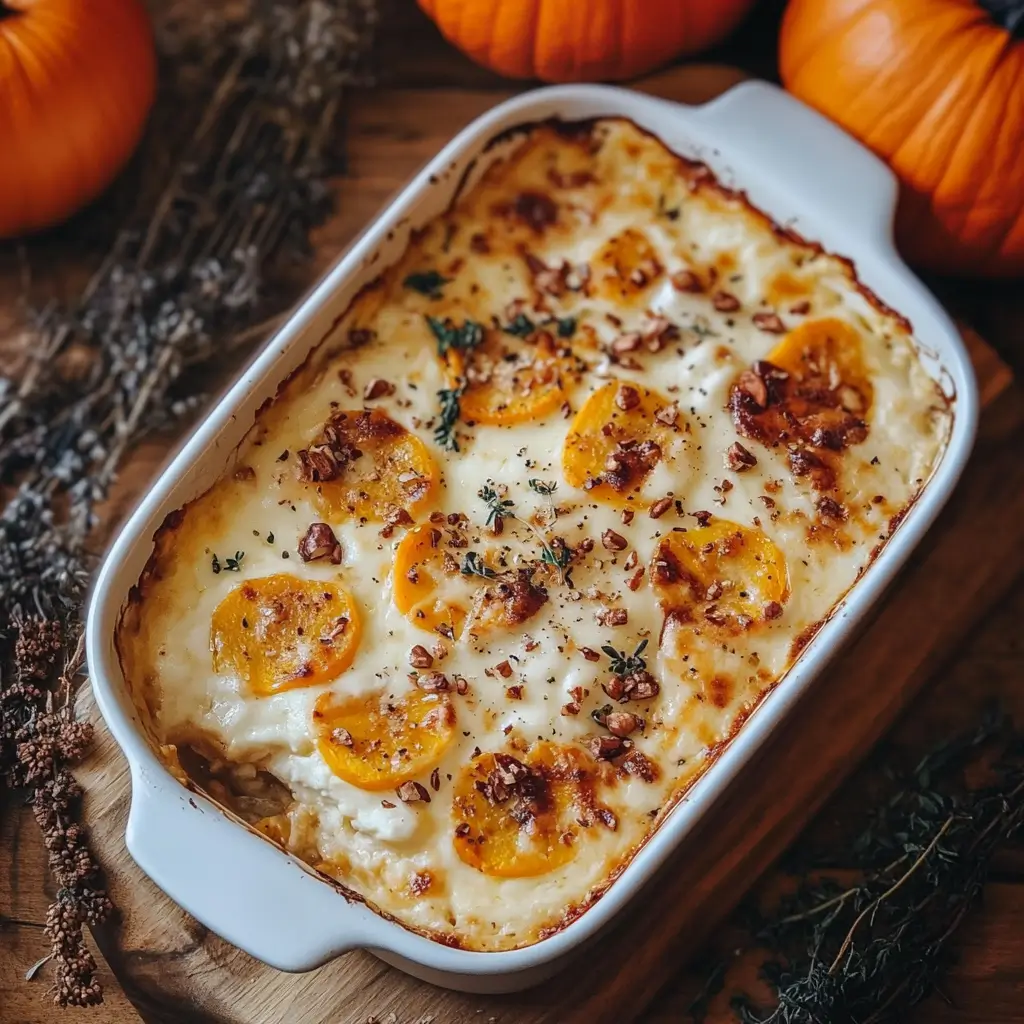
(455, 337)
(554, 552)
(448, 417)
(558, 555)
(497, 506)
(231, 564)
(623, 664)
(521, 326)
(545, 488)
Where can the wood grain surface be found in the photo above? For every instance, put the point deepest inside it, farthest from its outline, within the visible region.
(171, 969)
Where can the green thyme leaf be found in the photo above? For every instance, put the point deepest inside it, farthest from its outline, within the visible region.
(449, 336)
(426, 282)
(473, 565)
(521, 327)
(566, 326)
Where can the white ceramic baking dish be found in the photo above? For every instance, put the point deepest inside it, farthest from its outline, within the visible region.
(803, 171)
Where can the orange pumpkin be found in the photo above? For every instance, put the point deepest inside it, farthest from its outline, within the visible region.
(577, 40)
(77, 78)
(936, 88)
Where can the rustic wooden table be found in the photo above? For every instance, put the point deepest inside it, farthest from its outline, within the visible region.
(986, 985)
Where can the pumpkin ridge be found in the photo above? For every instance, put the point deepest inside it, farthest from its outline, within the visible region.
(811, 43)
(934, 93)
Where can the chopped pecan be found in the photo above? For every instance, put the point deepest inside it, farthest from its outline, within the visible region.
(378, 388)
(738, 458)
(622, 723)
(667, 415)
(636, 579)
(629, 462)
(640, 686)
(420, 657)
(616, 617)
(433, 682)
(805, 463)
(750, 384)
(341, 736)
(614, 541)
(320, 463)
(636, 763)
(687, 281)
(626, 343)
(319, 542)
(627, 397)
(605, 748)
(659, 508)
(769, 322)
(659, 333)
(772, 610)
(829, 508)
(412, 792)
(725, 302)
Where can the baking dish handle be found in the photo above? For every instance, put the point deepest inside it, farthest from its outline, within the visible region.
(839, 181)
(231, 880)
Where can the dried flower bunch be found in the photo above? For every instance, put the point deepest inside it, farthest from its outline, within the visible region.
(867, 950)
(236, 168)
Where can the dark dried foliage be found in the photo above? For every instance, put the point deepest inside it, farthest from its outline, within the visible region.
(207, 254)
(867, 951)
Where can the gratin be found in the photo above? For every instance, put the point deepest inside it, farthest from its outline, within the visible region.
(517, 550)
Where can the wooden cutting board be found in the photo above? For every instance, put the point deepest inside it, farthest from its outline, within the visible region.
(173, 969)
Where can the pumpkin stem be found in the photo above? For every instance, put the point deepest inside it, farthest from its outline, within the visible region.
(1007, 13)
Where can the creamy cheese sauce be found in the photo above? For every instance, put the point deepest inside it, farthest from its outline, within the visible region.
(704, 506)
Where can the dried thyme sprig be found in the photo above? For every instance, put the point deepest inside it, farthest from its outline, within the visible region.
(238, 155)
(869, 950)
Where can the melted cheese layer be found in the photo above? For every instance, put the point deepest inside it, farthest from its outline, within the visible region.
(646, 278)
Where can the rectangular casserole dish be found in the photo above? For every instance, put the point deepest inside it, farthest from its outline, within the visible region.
(798, 168)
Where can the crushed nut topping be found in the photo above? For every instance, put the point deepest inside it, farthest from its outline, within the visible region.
(605, 748)
(770, 322)
(614, 541)
(627, 397)
(725, 302)
(433, 682)
(412, 792)
(378, 388)
(687, 281)
(420, 657)
(738, 458)
(318, 542)
(659, 508)
(341, 736)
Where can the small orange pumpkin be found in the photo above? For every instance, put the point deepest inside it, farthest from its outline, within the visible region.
(936, 88)
(577, 40)
(77, 78)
